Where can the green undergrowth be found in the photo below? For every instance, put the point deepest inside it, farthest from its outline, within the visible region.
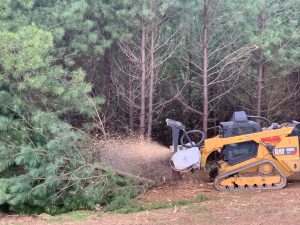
(137, 206)
(130, 207)
(72, 216)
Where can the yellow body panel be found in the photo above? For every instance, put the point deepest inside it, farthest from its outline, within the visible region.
(287, 164)
(291, 161)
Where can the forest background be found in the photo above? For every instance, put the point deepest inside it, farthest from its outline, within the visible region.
(72, 70)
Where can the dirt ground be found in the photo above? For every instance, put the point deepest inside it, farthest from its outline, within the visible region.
(246, 207)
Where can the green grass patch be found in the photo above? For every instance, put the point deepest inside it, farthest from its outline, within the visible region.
(56, 219)
(73, 216)
(78, 216)
(196, 208)
(137, 206)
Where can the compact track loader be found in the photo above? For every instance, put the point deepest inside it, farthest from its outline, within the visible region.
(250, 157)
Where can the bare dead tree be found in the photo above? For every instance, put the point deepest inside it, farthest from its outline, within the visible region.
(212, 56)
(280, 93)
(205, 66)
(161, 47)
(260, 70)
(143, 78)
(146, 55)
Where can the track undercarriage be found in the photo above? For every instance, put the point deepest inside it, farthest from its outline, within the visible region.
(260, 175)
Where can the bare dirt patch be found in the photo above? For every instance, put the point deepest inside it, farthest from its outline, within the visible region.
(191, 185)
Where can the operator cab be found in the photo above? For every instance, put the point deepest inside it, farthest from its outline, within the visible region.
(238, 125)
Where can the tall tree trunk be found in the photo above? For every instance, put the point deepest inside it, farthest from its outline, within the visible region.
(131, 103)
(189, 73)
(260, 69)
(151, 86)
(260, 82)
(107, 75)
(143, 80)
(205, 68)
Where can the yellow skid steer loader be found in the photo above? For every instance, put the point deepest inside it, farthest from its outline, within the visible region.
(251, 157)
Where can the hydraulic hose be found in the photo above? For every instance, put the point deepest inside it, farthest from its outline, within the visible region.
(260, 118)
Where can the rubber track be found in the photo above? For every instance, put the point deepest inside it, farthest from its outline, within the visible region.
(224, 175)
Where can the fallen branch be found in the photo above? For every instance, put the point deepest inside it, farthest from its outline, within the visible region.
(129, 175)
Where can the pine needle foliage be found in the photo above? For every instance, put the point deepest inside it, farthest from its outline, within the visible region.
(43, 164)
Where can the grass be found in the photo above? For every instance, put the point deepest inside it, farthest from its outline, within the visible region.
(56, 219)
(191, 205)
(73, 216)
(136, 206)
(133, 206)
(196, 208)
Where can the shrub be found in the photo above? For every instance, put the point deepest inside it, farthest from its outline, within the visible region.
(43, 165)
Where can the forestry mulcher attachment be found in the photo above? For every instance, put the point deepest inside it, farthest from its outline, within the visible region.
(250, 157)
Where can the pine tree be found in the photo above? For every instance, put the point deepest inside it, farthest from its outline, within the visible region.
(273, 27)
(43, 164)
